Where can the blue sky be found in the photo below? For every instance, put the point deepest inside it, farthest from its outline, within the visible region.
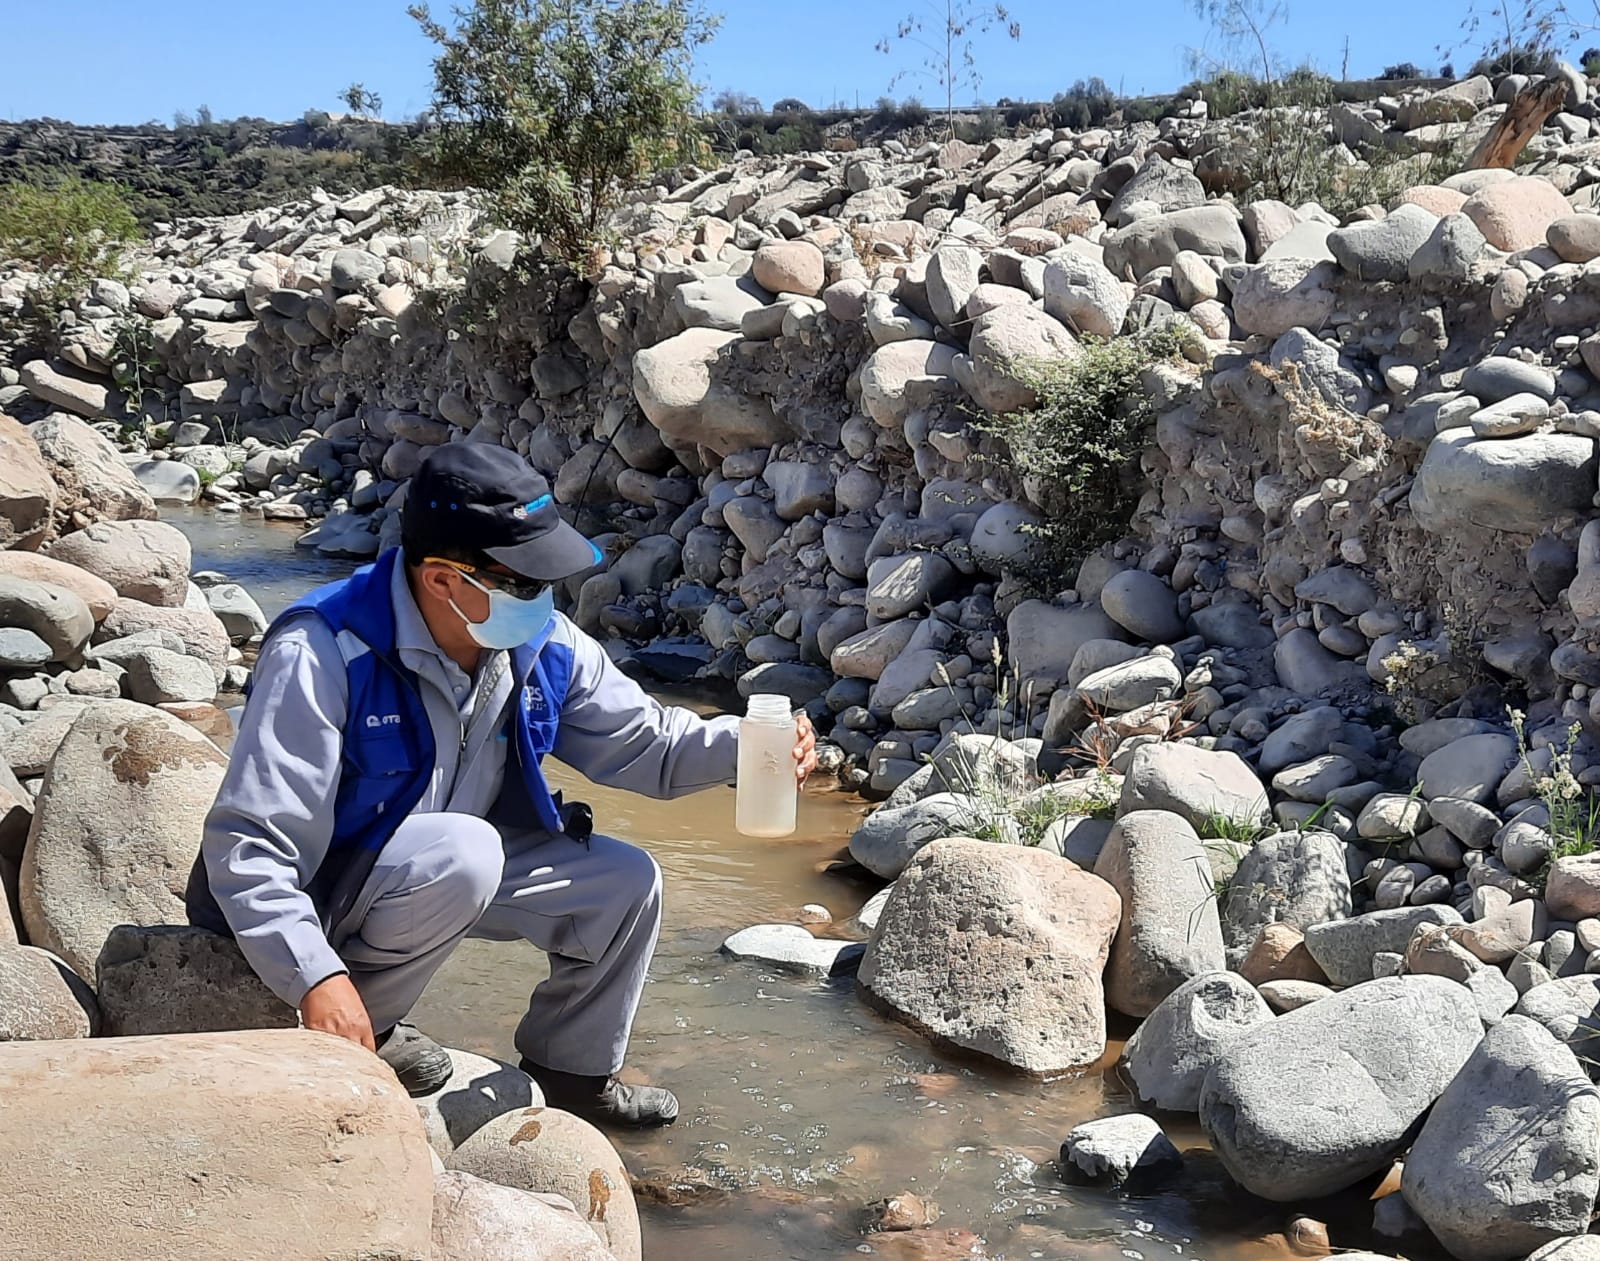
(128, 61)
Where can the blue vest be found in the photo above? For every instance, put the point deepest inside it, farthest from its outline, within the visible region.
(388, 755)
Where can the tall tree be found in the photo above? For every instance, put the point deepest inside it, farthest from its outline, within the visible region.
(555, 106)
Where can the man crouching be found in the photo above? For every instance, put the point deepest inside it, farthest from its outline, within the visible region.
(385, 796)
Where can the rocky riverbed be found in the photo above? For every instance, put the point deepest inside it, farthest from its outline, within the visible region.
(1295, 776)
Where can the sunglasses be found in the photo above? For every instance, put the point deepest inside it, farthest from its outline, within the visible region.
(488, 580)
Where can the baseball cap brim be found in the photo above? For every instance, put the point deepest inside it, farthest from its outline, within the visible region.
(556, 554)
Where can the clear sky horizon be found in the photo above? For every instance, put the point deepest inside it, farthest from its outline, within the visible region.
(115, 61)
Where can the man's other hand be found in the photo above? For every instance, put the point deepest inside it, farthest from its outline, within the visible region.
(805, 747)
(333, 1006)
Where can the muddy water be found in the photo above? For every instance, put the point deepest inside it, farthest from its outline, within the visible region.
(799, 1102)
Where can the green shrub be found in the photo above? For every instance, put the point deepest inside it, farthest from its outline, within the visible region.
(1082, 442)
(68, 231)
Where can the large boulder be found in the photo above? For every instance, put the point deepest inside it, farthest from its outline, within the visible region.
(1516, 214)
(1312, 1102)
(90, 477)
(97, 593)
(1469, 769)
(1515, 485)
(27, 491)
(94, 400)
(998, 949)
(177, 979)
(475, 1220)
(1004, 341)
(1569, 1006)
(143, 560)
(553, 1152)
(1211, 230)
(42, 999)
(790, 267)
(1298, 878)
(891, 369)
(1083, 295)
(1202, 785)
(1169, 931)
(1142, 605)
(1044, 638)
(676, 384)
(117, 823)
(1345, 948)
(1509, 1158)
(198, 630)
(274, 1145)
(1284, 293)
(58, 617)
(1170, 1053)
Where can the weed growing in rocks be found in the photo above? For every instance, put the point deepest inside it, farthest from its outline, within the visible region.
(1574, 812)
(1081, 444)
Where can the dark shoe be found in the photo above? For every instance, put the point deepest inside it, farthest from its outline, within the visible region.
(421, 1064)
(605, 1100)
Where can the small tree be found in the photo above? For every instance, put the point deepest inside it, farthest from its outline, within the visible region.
(554, 106)
(69, 232)
(1402, 70)
(1447, 71)
(360, 101)
(945, 38)
(731, 103)
(203, 116)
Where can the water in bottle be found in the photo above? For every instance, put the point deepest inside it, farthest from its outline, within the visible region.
(767, 790)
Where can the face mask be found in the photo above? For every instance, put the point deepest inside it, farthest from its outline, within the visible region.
(511, 622)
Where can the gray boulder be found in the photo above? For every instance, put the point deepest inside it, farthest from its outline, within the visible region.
(998, 949)
(1364, 1065)
(1569, 1007)
(888, 839)
(1298, 878)
(1169, 931)
(55, 615)
(1143, 605)
(1169, 1055)
(1198, 784)
(1382, 249)
(1516, 485)
(177, 979)
(1344, 948)
(1211, 230)
(1495, 1182)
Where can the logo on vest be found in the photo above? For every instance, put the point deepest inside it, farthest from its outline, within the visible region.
(533, 698)
(386, 720)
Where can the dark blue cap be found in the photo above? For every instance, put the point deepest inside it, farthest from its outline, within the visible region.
(484, 498)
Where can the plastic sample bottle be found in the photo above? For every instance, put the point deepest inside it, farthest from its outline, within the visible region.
(766, 787)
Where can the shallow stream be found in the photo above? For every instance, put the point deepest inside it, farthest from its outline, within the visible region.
(800, 1103)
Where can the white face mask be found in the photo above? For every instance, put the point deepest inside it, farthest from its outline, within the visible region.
(511, 622)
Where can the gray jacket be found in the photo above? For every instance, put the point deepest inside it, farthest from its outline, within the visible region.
(270, 827)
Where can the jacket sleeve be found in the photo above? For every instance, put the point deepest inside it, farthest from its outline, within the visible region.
(618, 735)
(272, 822)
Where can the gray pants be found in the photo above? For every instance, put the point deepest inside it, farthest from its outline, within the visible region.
(594, 908)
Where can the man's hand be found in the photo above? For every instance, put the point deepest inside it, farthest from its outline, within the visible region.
(805, 747)
(333, 1006)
